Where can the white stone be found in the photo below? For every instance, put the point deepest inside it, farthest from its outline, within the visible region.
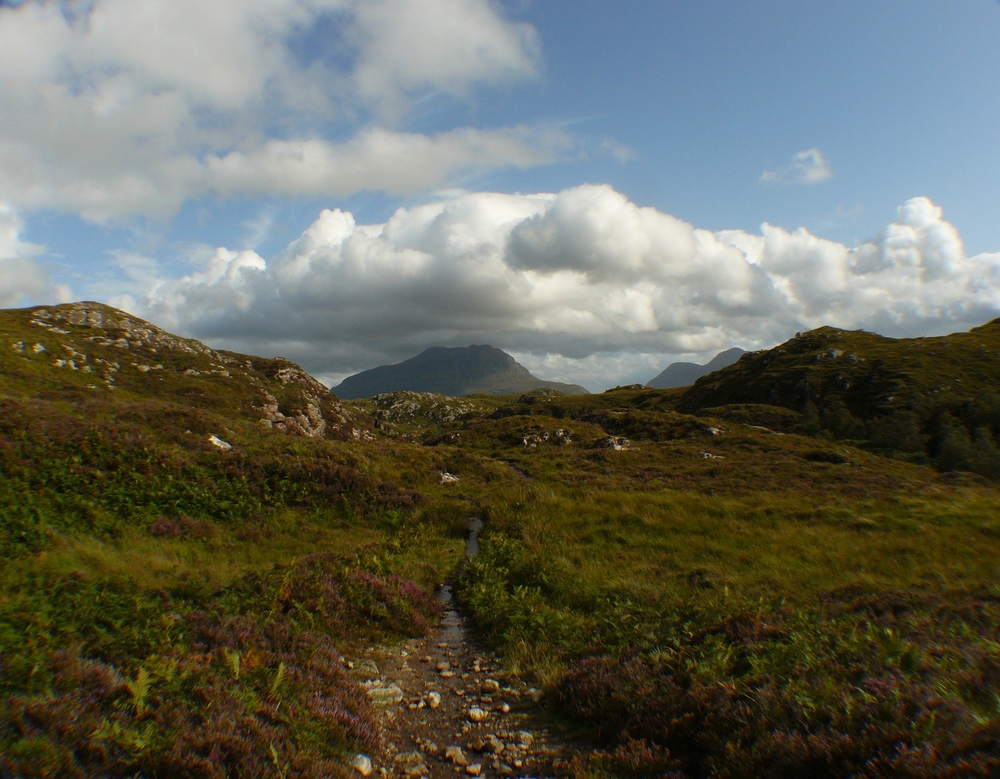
(216, 441)
(362, 764)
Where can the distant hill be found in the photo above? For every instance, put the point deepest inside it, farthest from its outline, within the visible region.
(684, 374)
(451, 371)
(871, 374)
(934, 399)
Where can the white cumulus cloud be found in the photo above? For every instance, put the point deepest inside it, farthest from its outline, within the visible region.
(573, 280)
(22, 279)
(807, 167)
(116, 107)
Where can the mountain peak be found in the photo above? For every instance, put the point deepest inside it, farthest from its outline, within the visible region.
(683, 374)
(451, 371)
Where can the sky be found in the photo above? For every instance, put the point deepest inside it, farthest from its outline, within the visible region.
(598, 188)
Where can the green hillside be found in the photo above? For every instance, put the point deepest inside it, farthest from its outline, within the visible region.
(933, 399)
(704, 583)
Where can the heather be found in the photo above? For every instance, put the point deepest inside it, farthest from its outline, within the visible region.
(761, 637)
(704, 583)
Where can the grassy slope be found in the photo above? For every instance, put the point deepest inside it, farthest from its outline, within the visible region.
(169, 608)
(784, 607)
(717, 600)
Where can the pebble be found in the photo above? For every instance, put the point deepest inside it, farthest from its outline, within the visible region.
(384, 695)
(433, 699)
(476, 714)
(447, 674)
(456, 756)
(475, 769)
(494, 745)
(362, 764)
(524, 739)
(443, 666)
(491, 686)
(430, 748)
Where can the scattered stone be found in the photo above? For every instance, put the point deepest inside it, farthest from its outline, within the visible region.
(430, 748)
(491, 686)
(476, 714)
(362, 764)
(443, 666)
(455, 756)
(475, 769)
(447, 674)
(710, 456)
(216, 441)
(616, 443)
(433, 699)
(448, 478)
(383, 695)
(494, 745)
(505, 707)
(413, 757)
(524, 739)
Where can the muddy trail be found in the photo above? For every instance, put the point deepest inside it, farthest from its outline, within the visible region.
(447, 708)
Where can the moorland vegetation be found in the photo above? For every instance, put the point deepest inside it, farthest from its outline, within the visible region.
(789, 569)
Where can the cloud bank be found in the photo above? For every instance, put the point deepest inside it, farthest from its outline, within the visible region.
(117, 107)
(582, 281)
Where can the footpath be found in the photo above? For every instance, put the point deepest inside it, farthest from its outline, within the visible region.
(447, 709)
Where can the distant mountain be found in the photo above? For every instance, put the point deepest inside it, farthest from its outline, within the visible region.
(450, 371)
(684, 374)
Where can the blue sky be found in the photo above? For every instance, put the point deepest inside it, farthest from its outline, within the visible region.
(323, 178)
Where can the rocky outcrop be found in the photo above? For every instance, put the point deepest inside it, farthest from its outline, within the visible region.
(118, 350)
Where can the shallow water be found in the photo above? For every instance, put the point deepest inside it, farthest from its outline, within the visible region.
(452, 624)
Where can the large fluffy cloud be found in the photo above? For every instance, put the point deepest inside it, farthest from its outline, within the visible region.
(565, 280)
(112, 107)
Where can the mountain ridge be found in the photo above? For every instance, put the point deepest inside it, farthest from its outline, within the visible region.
(683, 374)
(453, 371)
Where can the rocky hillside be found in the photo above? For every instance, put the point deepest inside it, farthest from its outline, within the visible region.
(870, 373)
(930, 398)
(684, 374)
(451, 371)
(95, 355)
